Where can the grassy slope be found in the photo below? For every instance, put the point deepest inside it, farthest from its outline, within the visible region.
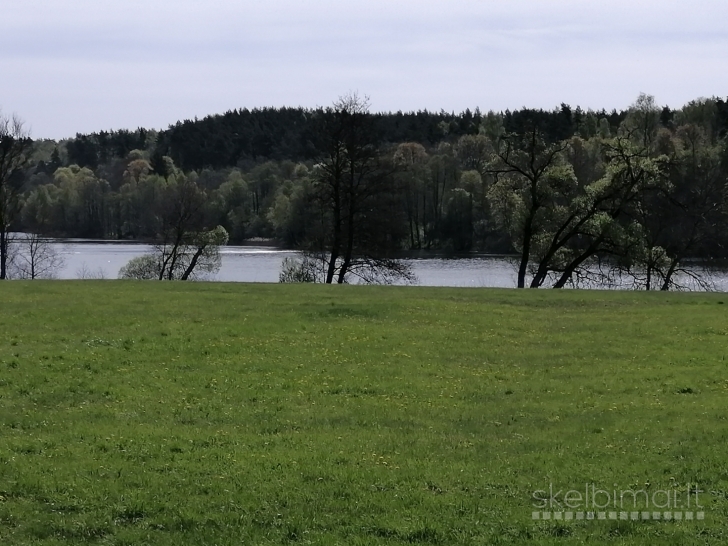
(157, 413)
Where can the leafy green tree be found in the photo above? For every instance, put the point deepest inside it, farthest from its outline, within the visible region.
(529, 175)
(444, 174)
(137, 202)
(263, 181)
(309, 268)
(458, 222)
(474, 152)
(142, 268)
(411, 158)
(607, 208)
(196, 257)
(82, 199)
(683, 217)
(296, 215)
(179, 209)
(231, 206)
(41, 209)
(701, 113)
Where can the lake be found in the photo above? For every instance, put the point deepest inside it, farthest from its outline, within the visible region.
(263, 264)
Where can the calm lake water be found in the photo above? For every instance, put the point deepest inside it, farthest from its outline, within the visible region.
(263, 264)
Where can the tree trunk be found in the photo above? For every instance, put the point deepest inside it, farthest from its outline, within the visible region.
(648, 282)
(668, 276)
(576, 262)
(526, 252)
(3, 253)
(347, 255)
(349, 238)
(410, 221)
(336, 244)
(193, 263)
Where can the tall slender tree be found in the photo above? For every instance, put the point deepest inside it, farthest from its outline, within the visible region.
(15, 148)
(354, 186)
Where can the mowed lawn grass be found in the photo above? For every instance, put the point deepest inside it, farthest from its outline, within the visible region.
(203, 413)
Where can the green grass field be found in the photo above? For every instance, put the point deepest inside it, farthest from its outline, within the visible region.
(195, 413)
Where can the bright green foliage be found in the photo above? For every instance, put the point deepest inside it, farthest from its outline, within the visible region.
(175, 413)
(142, 268)
(584, 198)
(197, 257)
(82, 199)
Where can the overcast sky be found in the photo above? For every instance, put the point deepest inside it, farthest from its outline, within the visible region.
(85, 65)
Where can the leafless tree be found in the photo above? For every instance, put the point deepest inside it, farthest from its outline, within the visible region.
(15, 146)
(34, 257)
(86, 273)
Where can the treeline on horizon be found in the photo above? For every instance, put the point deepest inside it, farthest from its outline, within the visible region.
(450, 181)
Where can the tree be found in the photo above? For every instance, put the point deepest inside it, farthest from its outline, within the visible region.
(184, 247)
(571, 202)
(528, 172)
(86, 273)
(142, 268)
(681, 218)
(203, 253)
(180, 215)
(15, 148)
(474, 151)
(137, 203)
(443, 173)
(295, 212)
(231, 205)
(42, 210)
(34, 257)
(197, 256)
(308, 267)
(354, 188)
(412, 159)
(602, 220)
(82, 199)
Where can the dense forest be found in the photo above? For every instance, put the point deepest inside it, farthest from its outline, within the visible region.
(570, 192)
